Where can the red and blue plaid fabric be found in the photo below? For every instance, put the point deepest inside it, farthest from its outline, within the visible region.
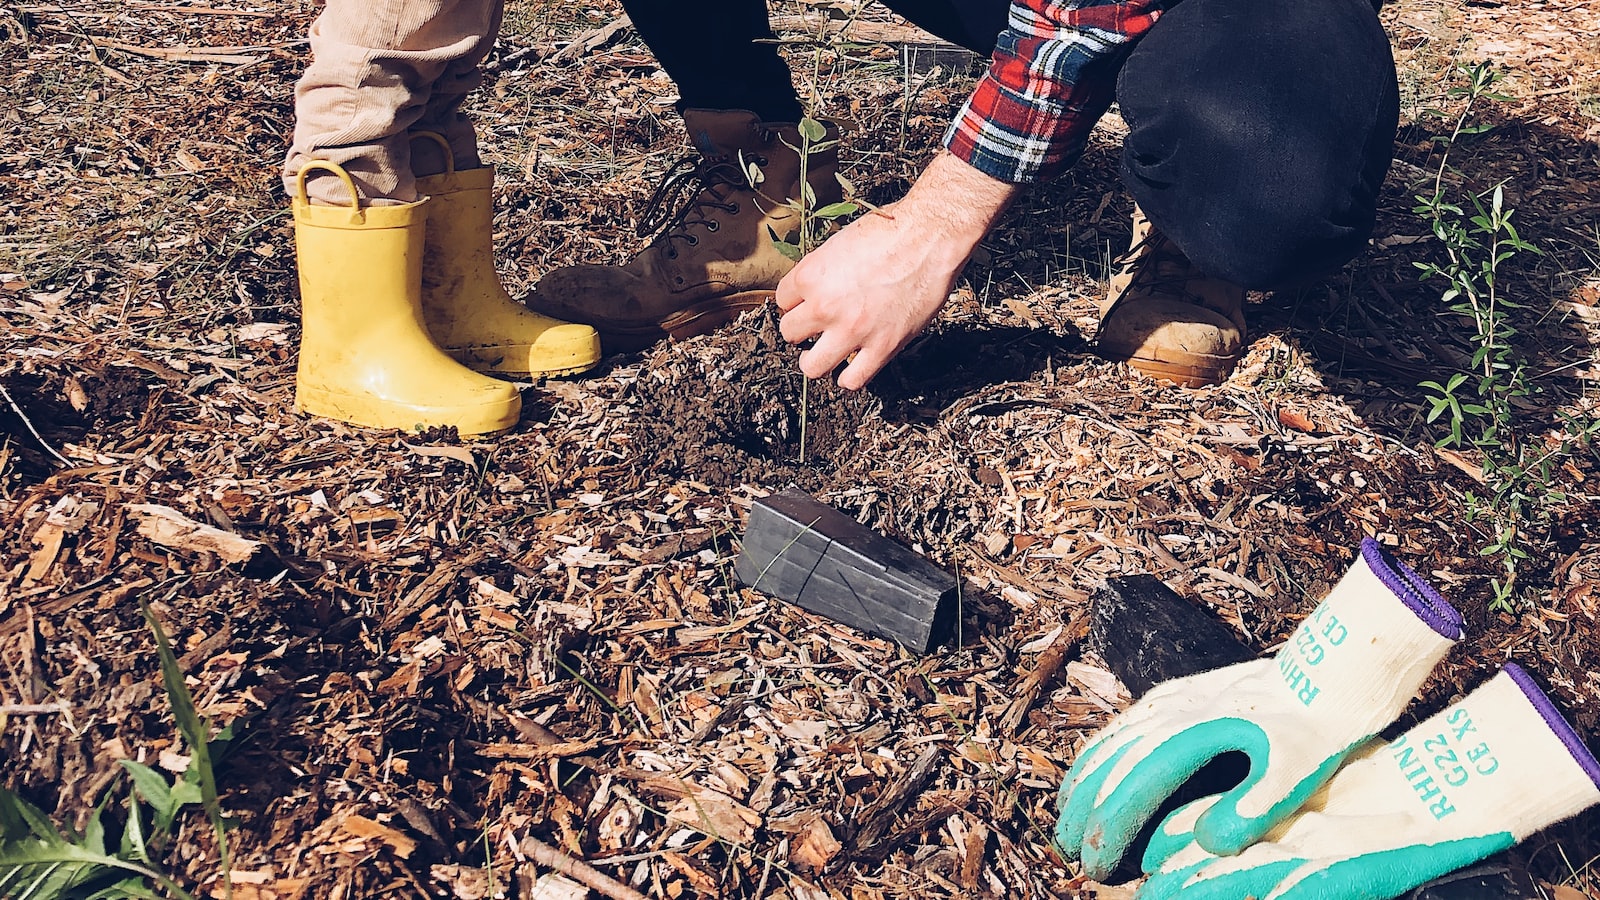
(1053, 75)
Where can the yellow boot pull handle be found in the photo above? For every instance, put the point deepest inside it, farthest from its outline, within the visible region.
(323, 165)
(444, 146)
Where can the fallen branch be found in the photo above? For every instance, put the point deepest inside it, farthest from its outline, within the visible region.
(1050, 665)
(202, 10)
(32, 709)
(510, 750)
(877, 819)
(177, 54)
(577, 869)
(240, 55)
(591, 40)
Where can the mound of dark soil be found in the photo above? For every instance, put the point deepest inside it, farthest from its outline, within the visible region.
(732, 407)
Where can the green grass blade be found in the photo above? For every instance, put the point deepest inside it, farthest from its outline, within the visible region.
(195, 732)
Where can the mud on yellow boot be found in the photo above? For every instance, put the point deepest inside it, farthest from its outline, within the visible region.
(713, 257)
(466, 308)
(365, 356)
(1167, 319)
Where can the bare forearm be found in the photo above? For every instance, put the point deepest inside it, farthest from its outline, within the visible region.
(957, 204)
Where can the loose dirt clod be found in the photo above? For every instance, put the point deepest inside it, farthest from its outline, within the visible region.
(734, 410)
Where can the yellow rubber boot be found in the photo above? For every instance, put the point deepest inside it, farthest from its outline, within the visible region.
(466, 309)
(365, 357)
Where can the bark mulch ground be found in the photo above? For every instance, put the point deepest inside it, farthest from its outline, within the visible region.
(450, 665)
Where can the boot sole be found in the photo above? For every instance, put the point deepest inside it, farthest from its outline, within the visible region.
(1190, 370)
(370, 412)
(691, 321)
(487, 363)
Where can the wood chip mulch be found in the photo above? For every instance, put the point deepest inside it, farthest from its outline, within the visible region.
(522, 667)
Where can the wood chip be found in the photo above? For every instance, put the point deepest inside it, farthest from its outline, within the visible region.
(170, 528)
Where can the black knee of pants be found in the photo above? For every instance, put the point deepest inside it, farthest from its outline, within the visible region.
(721, 53)
(1260, 132)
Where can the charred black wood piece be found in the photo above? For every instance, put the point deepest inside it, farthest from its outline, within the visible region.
(1148, 634)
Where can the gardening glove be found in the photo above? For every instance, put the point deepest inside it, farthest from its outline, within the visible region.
(1471, 781)
(1345, 674)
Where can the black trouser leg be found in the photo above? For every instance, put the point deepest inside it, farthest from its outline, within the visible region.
(719, 53)
(721, 56)
(973, 24)
(1260, 133)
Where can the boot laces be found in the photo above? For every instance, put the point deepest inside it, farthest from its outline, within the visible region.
(1157, 264)
(690, 189)
(1158, 268)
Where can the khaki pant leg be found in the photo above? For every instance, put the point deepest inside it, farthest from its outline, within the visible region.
(443, 111)
(375, 66)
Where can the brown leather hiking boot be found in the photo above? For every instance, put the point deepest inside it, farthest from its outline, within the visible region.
(1165, 318)
(712, 257)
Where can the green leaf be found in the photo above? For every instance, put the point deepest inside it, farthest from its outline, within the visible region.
(812, 130)
(835, 210)
(50, 869)
(790, 251)
(131, 888)
(195, 732)
(134, 844)
(187, 790)
(94, 833)
(16, 811)
(152, 787)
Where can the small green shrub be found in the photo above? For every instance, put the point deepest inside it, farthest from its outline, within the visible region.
(40, 862)
(1483, 408)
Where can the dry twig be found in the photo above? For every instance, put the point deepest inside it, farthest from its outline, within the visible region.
(577, 869)
(1050, 665)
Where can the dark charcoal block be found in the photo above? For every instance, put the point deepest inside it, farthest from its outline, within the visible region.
(1148, 634)
(812, 555)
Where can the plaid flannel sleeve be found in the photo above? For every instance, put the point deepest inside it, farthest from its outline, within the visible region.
(1053, 75)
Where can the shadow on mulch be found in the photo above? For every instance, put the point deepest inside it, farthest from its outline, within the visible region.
(56, 406)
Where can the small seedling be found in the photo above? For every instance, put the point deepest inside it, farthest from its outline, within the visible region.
(814, 224)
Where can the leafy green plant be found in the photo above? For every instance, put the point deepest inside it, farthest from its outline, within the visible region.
(815, 223)
(40, 862)
(1482, 407)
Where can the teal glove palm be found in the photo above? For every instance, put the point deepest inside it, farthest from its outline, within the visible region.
(1471, 781)
(1347, 672)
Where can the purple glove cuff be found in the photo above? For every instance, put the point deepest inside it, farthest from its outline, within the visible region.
(1429, 606)
(1557, 722)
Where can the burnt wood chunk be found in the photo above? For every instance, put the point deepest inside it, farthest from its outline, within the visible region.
(814, 556)
(1148, 634)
